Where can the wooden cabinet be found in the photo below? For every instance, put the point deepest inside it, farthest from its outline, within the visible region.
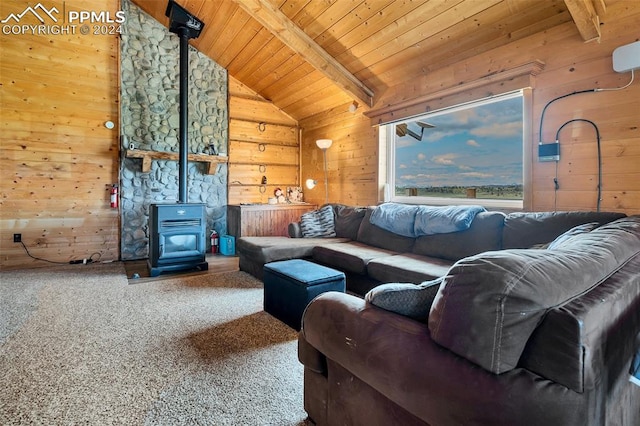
(263, 219)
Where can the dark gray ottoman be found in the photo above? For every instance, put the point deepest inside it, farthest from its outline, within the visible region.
(290, 285)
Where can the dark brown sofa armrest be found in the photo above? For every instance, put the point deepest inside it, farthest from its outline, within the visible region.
(310, 357)
(294, 230)
(583, 343)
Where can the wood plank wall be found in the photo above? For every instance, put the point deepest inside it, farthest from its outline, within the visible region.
(352, 159)
(58, 159)
(570, 65)
(263, 142)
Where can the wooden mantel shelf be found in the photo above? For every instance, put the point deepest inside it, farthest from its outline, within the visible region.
(211, 160)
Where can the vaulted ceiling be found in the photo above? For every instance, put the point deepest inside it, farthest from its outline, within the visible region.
(308, 56)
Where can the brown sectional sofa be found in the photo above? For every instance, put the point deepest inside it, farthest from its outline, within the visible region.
(510, 337)
(370, 255)
(506, 333)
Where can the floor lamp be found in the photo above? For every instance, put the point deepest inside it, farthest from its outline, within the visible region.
(324, 144)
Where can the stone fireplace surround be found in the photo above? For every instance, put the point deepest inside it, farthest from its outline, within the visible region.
(150, 121)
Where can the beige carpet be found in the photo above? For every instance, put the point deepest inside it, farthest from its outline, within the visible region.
(79, 345)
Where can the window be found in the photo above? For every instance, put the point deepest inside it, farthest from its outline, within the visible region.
(466, 154)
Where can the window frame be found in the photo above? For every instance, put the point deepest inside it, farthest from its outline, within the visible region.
(387, 146)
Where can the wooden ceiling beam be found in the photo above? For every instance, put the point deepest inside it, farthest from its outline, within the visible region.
(585, 17)
(600, 6)
(297, 40)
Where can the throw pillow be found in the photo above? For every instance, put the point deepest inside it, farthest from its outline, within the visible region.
(348, 220)
(571, 233)
(410, 300)
(318, 223)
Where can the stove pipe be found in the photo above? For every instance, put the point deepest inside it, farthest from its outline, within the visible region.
(184, 116)
(186, 26)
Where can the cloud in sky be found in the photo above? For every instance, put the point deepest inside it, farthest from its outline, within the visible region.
(405, 142)
(499, 130)
(446, 159)
(477, 174)
(437, 135)
(420, 176)
(472, 142)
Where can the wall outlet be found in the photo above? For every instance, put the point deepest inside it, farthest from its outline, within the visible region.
(17, 238)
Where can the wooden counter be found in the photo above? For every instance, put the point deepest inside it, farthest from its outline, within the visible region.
(263, 219)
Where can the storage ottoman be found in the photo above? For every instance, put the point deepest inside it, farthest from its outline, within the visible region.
(290, 285)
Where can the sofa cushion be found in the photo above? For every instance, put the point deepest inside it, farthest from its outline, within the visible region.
(348, 220)
(270, 249)
(408, 299)
(375, 236)
(489, 305)
(564, 238)
(408, 267)
(351, 256)
(318, 223)
(524, 230)
(484, 234)
(411, 220)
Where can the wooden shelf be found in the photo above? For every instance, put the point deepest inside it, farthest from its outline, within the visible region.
(211, 160)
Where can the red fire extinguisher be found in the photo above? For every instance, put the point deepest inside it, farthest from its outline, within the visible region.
(215, 243)
(114, 196)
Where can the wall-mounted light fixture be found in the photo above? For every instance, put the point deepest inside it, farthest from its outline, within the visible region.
(353, 106)
(325, 144)
(310, 183)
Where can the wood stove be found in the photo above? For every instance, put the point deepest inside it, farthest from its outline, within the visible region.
(178, 239)
(177, 231)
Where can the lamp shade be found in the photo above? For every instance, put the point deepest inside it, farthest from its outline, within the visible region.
(324, 143)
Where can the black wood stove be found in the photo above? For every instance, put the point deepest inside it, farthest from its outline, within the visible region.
(177, 231)
(178, 239)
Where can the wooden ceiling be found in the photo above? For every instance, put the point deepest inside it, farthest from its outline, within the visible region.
(308, 56)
